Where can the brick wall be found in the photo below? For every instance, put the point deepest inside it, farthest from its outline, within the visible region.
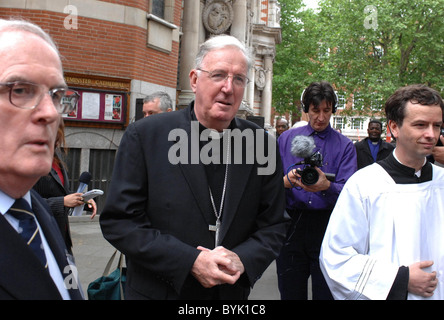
(106, 48)
(140, 4)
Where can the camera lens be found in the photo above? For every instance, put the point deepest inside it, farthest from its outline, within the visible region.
(309, 176)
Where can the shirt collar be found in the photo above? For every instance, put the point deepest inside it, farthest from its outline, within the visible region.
(417, 173)
(201, 126)
(405, 175)
(321, 134)
(371, 143)
(6, 201)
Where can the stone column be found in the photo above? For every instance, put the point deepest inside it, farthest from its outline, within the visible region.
(239, 25)
(188, 49)
(250, 88)
(239, 30)
(267, 93)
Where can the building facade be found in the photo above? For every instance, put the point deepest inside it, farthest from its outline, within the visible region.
(115, 52)
(254, 22)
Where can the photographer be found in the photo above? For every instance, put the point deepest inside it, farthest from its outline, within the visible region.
(310, 206)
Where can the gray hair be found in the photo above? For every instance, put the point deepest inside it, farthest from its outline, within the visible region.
(219, 42)
(164, 98)
(26, 26)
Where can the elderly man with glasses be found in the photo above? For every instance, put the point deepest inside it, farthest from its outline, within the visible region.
(34, 263)
(193, 229)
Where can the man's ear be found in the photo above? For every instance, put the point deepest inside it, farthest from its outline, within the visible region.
(394, 128)
(193, 79)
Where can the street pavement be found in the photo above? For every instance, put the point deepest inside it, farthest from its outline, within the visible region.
(92, 253)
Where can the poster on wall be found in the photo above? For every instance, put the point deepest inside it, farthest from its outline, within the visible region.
(90, 105)
(113, 107)
(97, 106)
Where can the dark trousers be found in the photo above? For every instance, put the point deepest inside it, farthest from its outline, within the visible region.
(299, 257)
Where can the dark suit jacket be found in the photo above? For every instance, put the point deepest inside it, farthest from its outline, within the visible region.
(364, 154)
(50, 187)
(157, 212)
(22, 276)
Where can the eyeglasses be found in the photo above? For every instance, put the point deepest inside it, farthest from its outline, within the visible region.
(218, 76)
(27, 95)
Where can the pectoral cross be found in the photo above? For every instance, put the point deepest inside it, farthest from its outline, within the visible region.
(215, 228)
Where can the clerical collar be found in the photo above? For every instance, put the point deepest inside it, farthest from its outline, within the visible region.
(402, 174)
(417, 173)
(202, 127)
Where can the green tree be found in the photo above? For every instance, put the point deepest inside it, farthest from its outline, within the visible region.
(294, 61)
(366, 49)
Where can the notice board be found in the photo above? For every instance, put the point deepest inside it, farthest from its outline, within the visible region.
(99, 106)
(102, 100)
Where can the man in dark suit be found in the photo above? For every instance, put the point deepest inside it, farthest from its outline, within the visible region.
(191, 223)
(372, 148)
(33, 94)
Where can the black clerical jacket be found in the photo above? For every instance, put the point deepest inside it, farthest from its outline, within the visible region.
(158, 212)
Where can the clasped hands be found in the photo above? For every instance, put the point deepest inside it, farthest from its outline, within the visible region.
(217, 266)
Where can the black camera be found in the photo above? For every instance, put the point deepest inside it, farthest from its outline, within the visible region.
(309, 174)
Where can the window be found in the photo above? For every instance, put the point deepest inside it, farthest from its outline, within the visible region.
(101, 163)
(72, 161)
(158, 8)
(377, 103)
(341, 101)
(161, 30)
(162, 9)
(357, 124)
(339, 123)
(358, 102)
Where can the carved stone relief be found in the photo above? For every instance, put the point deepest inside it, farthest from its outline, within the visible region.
(260, 78)
(217, 16)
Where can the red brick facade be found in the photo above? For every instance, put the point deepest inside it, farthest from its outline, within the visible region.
(104, 48)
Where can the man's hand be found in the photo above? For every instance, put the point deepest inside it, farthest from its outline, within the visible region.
(236, 264)
(422, 283)
(438, 152)
(215, 267)
(322, 184)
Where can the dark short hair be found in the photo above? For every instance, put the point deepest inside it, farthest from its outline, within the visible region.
(416, 94)
(375, 121)
(317, 92)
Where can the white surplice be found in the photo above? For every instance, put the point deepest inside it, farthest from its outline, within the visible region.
(378, 226)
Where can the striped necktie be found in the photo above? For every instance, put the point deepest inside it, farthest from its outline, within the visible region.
(28, 228)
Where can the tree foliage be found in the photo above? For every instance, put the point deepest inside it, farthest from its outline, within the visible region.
(365, 51)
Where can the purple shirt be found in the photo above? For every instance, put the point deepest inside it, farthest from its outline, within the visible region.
(339, 157)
